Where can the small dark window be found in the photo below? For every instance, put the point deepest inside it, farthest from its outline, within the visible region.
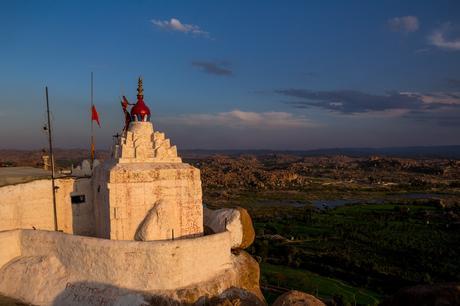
(78, 199)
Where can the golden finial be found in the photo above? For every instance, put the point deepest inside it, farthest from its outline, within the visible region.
(140, 90)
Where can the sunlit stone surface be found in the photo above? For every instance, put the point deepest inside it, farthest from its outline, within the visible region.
(143, 211)
(144, 171)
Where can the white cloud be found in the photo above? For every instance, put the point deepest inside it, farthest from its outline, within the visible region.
(175, 25)
(404, 24)
(388, 113)
(430, 102)
(452, 98)
(242, 119)
(439, 38)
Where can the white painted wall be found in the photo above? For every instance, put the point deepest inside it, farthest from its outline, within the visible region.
(126, 192)
(150, 266)
(28, 205)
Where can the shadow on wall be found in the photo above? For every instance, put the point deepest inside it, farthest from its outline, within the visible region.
(92, 293)
(81, 199)
(6, 301)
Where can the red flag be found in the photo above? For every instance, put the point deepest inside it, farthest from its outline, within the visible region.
(124, 103)
(95, 115)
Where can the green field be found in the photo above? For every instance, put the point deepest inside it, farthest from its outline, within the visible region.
(360, 252)
(320, 286)
(341, 225)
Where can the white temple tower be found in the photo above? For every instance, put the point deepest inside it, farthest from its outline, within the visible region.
(146, 182)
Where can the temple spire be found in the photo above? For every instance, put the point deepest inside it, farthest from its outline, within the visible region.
(140, 111)
(140, 90)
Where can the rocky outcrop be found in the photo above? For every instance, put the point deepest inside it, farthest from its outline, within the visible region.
(236, 220)
(242, 279)
(249, 233)
(231, 297)
(146, 229)
(237, 286)
(297, 298)
(293, 172)
(156, 224)
(47, 273)
(51, 268)
(248, 273)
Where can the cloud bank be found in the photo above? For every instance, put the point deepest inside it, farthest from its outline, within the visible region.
(405, 24)
(216, 68)
(242, 119)
(443, 39)
(440, 117)
(175, 24)
(442, 108)
(354, 101)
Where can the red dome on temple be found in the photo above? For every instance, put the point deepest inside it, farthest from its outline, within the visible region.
(140, 111)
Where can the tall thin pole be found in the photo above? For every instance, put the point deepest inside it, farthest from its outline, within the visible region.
(50, 141)
(91, 116)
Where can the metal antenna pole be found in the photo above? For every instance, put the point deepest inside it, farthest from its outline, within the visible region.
(50, 140)
(91, 116)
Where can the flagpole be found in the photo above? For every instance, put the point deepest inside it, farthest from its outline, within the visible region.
(50, 141)
(91, 116)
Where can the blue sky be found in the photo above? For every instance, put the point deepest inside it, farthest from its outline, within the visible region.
(235, 74)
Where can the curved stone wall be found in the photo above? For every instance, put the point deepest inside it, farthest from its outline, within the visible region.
(149, 266)
(10, 246)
